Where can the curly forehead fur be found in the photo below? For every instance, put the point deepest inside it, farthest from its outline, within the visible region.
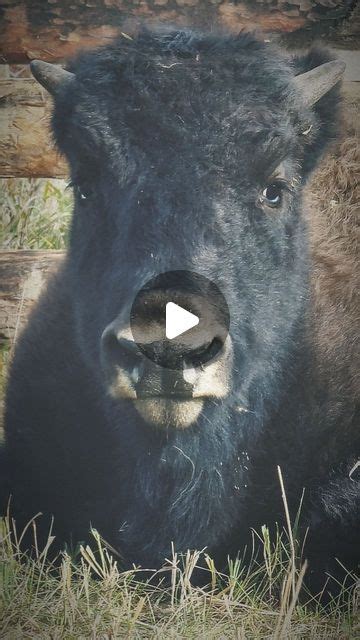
(179, 96)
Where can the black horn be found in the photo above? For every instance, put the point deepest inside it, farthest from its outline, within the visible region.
(50, 76)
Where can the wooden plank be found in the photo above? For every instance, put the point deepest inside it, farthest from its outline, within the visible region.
(53, 30)
(26, 147)
(22, 276)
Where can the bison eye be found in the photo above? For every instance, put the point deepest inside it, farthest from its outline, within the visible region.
(83, 191)
(272, 195)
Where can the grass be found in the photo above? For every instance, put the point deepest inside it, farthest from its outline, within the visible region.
(35, 214)
(5, 351)
(92, 598)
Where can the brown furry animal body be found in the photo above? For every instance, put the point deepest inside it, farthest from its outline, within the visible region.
(334, 196)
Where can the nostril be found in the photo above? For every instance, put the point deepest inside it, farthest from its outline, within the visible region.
(123, 353)
(204, 352)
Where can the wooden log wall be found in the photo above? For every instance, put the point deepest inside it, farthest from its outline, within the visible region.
(26, 147)
(54, 29)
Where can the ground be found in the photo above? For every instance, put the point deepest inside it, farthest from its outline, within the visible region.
(92, 599)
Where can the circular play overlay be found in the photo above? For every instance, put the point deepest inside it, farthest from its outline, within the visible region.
(180, 319)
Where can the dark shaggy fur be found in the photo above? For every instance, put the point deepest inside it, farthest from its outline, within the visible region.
(172, 136)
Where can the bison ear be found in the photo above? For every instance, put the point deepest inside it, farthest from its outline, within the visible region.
(314, 84)
(52, 77)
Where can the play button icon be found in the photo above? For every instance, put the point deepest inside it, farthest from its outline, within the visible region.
(178, 320)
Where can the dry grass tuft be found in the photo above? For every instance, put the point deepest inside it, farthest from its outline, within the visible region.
(35, 214)
(92, 598)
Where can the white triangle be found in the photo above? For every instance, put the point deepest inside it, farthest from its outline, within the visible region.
(178, 320)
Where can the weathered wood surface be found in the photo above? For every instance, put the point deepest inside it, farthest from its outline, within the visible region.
(22, 276)
(55, 29)
(26, 147)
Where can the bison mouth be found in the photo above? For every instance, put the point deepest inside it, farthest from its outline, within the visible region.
(167, 397)
(168, 366)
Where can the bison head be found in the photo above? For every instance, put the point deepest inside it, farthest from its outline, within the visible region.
(189, 152)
